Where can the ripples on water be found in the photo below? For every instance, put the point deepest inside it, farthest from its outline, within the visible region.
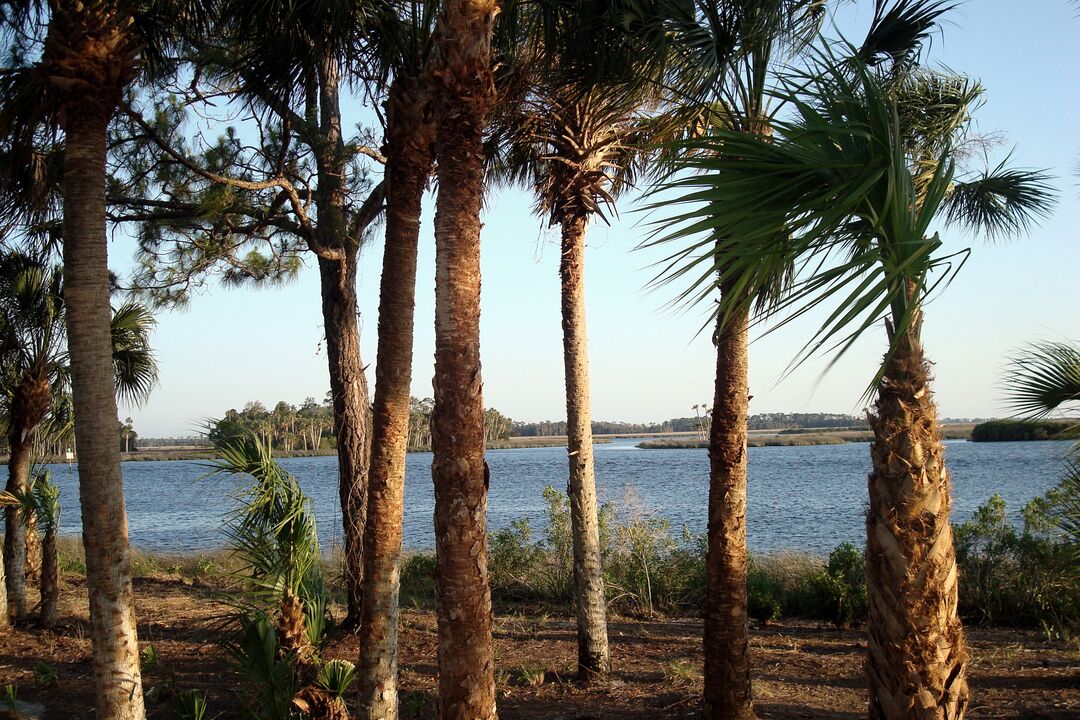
(805, 498)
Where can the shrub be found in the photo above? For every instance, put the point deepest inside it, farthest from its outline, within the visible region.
(841, 587)
(418, 579)
(1028, 578)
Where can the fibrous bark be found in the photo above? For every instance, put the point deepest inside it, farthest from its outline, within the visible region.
(465, 92)
(50, 579)
(917, 658)
(86, 296)
(15, 527)
(409, 155)
(590, 604)
(727, 662)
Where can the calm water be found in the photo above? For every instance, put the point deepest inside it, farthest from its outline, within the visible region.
(807, 498)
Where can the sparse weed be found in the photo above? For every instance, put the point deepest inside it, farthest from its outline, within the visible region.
(681, 673)
(189, 706)
(149, 659)
(44, 676)
(531, 675)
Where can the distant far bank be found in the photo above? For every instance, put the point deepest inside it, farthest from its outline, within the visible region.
(150, 454)
(799, 438)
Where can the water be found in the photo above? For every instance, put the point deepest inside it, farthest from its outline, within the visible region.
(805, 498)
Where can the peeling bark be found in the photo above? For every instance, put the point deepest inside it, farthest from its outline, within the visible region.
(465, 92)
(14, 528)
(917, 657)
(594, 659)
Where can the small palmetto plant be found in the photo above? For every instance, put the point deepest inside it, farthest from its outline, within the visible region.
(282, 624)
(45, 498)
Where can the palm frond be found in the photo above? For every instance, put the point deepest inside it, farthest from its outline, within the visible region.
(829, 201)
(272, 530)
(135, 366)
(1043, 377)
(1002, 202)
(900, 30)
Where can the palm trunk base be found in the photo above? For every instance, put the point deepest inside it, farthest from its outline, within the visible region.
(917, 660)
(728, 694)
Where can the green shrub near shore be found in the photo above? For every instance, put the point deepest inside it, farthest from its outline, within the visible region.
(1028, 578)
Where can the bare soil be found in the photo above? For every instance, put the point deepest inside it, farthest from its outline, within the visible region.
(801, 670)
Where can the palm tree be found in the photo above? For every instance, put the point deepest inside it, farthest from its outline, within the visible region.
(404, 52)
(33, 366)
(730, 52)
(34, 377)
(848, 189)
(464, 94)
(39, 505)
(577, 140)
(94, 50)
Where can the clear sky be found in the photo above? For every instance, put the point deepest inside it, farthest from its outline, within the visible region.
(232, 346)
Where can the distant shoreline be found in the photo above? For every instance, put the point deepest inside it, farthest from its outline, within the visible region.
(189, 453)
(802, 437)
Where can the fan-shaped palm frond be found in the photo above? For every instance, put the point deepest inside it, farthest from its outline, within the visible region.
(835, 192)
(273, 529)
(899, 32)
(1043, 377)
(134, 364)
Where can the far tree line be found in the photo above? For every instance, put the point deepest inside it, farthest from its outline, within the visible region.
(310, 426)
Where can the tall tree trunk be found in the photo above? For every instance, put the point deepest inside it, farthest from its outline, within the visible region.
(466, 92)
(86, 295)
(917, 666)
(348, 383)
(591, 606)
(727, 639)
(351, 416)
(14, 527)
(50, 579)
(409, 156)
(5, 620)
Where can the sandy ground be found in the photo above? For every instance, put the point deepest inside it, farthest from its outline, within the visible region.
(801, 670)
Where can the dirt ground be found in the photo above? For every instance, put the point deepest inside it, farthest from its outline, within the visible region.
(801, 670)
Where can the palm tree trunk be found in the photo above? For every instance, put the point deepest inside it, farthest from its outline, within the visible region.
(466, 659)
(591, 606)
(727, 639)
(50, 579)
(917, 666)
(348, 383)
(409, 157)
(117, 678)
(5, 620)
(14, 527)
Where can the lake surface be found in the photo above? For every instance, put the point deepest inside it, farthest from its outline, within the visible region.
(802, 498)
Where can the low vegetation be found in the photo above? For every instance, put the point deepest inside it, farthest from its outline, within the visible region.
(1009, 430)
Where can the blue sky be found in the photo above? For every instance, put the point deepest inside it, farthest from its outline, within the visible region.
(647, 362)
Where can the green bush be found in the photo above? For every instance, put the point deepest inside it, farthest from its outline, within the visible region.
(840, 588)
(763, 595)
(1027, 579)
(1011, 430)
(418, 579)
